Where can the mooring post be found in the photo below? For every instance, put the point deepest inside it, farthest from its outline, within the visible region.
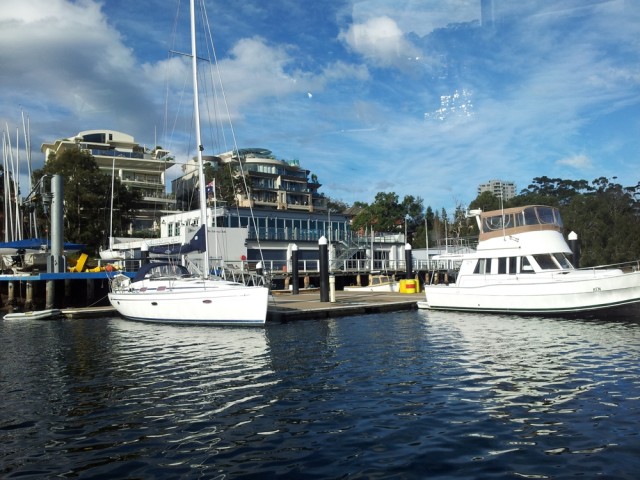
(324, 269)
(408, 260)
(332, 288)
(91, 290)
(56, 262)
(28, 298)
(11, 294)
(294, 269)
(67, 292)
(574, 245)
(50, 295)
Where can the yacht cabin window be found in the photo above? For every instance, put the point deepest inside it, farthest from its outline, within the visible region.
(499, 266)
(502, 265)
(525, 265)
(513, 262)
(480, 266)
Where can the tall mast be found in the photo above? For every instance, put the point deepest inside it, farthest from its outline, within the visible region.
(113, 179)
(196, 111)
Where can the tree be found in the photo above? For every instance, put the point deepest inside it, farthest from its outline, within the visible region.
(225, 183)
(388, 214)
(87, 199)
(337, 205)
(413, 215)
(486, 202)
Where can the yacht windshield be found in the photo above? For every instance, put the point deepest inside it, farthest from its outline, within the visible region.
(562, 259)
(545, 261)
(542, 216)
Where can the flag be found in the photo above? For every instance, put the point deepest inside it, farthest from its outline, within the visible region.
(209, 188)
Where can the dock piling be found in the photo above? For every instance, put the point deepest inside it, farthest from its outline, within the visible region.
(28, 300)
(50, 296)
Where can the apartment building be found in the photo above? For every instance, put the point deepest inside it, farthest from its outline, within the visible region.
(274, 184)
(139, 168)
(500, 188)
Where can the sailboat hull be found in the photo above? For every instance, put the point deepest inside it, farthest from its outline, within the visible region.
(197, 302)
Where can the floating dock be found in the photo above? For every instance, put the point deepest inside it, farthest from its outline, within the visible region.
(284, 308)
(78, 288)
(307, 306)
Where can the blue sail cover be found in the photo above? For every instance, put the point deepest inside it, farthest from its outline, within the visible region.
(196, 244)
(36, 244)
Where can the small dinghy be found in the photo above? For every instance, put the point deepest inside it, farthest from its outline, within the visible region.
(36, 314)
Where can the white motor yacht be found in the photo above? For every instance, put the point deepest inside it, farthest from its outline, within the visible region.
(523, 265)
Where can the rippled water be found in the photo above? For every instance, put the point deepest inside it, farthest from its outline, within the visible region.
(402, 395)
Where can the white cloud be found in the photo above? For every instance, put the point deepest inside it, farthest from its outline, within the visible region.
(65, 58)
(381, 41)
(418, 16)
(581, 162)
(341, 71)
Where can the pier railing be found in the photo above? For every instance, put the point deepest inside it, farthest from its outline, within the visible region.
(313, 266)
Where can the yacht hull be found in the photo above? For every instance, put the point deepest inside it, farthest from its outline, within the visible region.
(577, 291)
(193, 302)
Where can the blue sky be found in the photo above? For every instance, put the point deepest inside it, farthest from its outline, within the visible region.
(420, 97)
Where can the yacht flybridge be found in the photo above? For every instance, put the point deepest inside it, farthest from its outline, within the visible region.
(523, 265)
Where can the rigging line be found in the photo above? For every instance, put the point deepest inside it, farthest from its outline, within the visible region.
(233, 134)
(219, 138)
(170, 128)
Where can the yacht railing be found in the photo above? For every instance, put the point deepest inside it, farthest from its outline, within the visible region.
(626, 267)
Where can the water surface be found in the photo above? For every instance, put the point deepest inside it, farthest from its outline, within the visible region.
(399, 395)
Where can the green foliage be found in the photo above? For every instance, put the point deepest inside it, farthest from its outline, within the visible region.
(486, 202)
(336, 205)
(87, 199)
(388, 214)
(225, 182)
(607, 220)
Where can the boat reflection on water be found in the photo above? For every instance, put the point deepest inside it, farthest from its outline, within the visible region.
(543, 372)
(224, 368)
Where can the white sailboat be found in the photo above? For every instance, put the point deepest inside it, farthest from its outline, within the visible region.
(168, 293)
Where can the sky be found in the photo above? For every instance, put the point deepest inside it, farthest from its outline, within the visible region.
(427, 98)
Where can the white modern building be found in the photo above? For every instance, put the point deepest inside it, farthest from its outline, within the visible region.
(274, 184)
(139, 168)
